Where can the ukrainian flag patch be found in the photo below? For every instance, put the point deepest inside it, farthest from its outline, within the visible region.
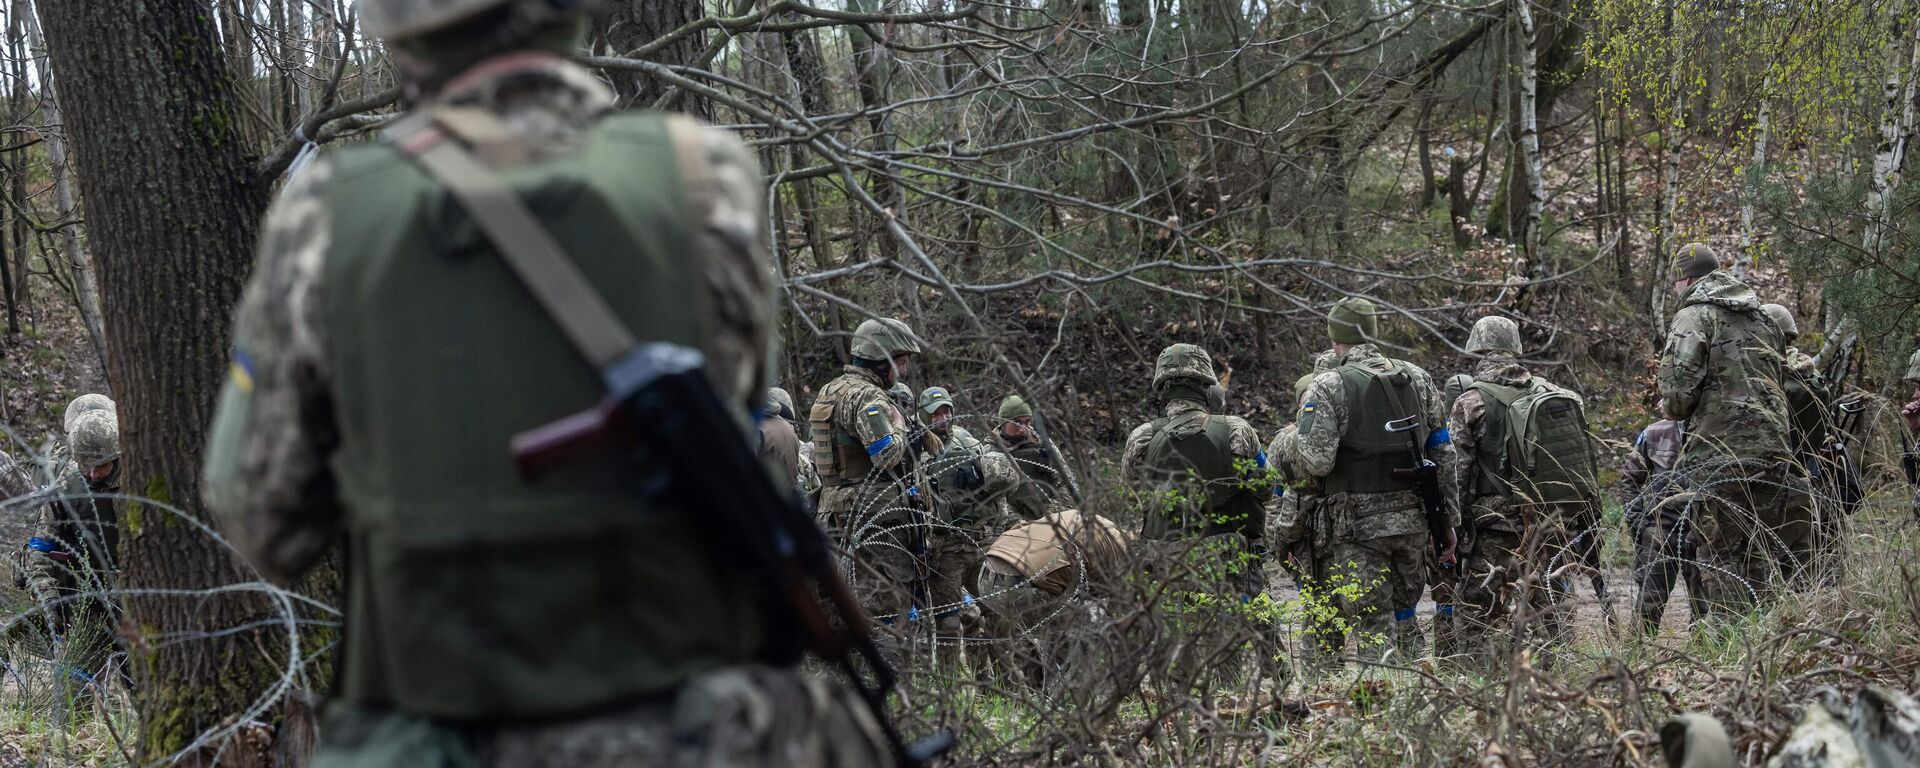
(240, 370)
(1308, 408)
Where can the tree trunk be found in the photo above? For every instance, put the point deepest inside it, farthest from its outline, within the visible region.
(1756, 174)
(1530, 141)
(1673, 133)
(16, 190)
(172, 220)
(634, 23)
(86, 294)
(1428, 187)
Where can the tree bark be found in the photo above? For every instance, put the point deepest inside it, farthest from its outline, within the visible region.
(21, 101)
(1673, 134)
(172, 221)
(1530, 140)
(634, 23)
(1756, 173)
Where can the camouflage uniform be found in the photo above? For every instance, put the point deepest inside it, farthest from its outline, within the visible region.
(1506, 543)
(1378, 539)
(1720, 373)
(866, 490)
(1664, 542)
(1050, 484)
(779, 440)
(1812, 538)
(1185, 414)
(272, 481)
(1051, 572)
(969, 485)
(70, 560)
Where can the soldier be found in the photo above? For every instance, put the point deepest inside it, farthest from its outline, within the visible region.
(1299, 533)
(1809, 541)
(586, 621)
(1719, 373)
(1441, 581)
(1208, 463)
(1664, 541)
(1050, 484)
(969, 482)
(779, 441)
(1051, 571)
(70, 560)
(1342, 441)
(1527, 489)
(806, 482)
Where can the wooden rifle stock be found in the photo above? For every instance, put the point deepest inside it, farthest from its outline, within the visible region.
(581, 437)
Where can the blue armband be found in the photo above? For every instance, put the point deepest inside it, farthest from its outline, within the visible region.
(1260, 459)
(1439, 438)
(1443, 609)
(38, 544)
(1403, 614)
(1279, 491)
(879, 445)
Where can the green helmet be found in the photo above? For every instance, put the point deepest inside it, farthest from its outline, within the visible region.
(1015, 407)
(1456, 384)
(1184, 361)
(1693, 260)
(83, 404)
(404, 19)
(902, 397)
(1300, 388)
(932, 398)
(1494, 332)
(1782, 317)
(1352, 321)
(882, 340)
(94, 439)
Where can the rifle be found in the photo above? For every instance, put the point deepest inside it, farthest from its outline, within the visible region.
(1424, 479)
(1846, 483)
(660, 402)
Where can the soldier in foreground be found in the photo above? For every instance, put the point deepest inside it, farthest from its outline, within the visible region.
(1050, 485)
(1719, 373)
(587, 621)
(1664, 539)
(1527, 488)
(1361, 421)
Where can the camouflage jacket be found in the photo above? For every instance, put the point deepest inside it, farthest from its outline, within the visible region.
(1243, 443)
(1312, 448)
(1721, 373)
(78, 534)
(1468, 425)
(865, 417)
(1291, 509)
(1049, 485)
(280, 504)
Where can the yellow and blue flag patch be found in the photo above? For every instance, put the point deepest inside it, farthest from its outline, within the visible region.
(240, 370)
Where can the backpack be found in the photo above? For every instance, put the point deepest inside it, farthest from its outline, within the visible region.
(1536, 445)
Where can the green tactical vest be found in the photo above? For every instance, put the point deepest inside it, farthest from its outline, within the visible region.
(472, 595)
(1194, 459)
(1368, 453)
(1535, 444)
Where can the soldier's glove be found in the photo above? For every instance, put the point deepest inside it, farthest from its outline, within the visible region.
(1911, 414)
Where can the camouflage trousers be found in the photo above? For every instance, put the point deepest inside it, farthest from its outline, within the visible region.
(889, 549)
(953, 565)
(1502, 570)
(1665, 546)
(1754, 532)
(1384, 578)
(1441, 584)
(740, 716)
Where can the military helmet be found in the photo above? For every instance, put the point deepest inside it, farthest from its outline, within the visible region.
(94, 439)
(1352, 321)
(1913, 369)
(779, 403)
(902, 397)
(1782, 317)
(1300, 386)
(83, 404)
(402, 19)
(1494, 332)
(932, 398)
(1456, 384)
(1693, 260)
(1015, 407)
(883, 339)
(1184, 361)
